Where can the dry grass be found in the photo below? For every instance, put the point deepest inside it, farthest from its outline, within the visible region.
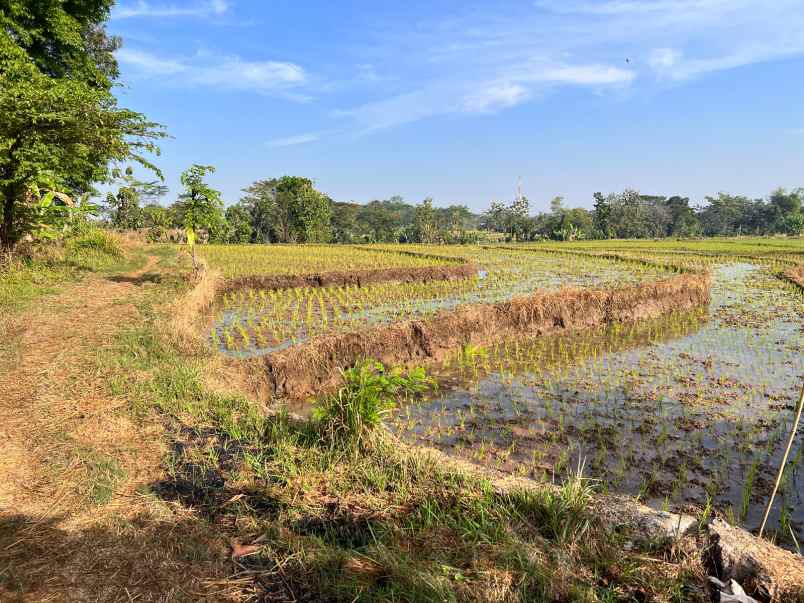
(189, 310)
(72, 524)
(796, 275)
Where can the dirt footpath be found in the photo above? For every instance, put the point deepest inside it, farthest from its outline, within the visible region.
(72, 524)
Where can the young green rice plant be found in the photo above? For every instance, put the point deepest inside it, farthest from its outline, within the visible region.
(561, 514)
(748, 488)
(706, 513)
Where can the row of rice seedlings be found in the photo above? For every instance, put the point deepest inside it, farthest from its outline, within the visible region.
(261, 320)
(721, 246)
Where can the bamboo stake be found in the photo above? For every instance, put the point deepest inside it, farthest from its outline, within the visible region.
(784, 461)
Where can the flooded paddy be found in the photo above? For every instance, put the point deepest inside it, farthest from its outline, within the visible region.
(255, 322)
(689, 410)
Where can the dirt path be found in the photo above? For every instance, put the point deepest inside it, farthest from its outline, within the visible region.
(72, 526)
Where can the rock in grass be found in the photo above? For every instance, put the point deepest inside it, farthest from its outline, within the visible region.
(644, 523)
(731, 592)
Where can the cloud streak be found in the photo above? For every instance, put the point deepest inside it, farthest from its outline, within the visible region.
(224, 73)
(291, 141)
(145, 9)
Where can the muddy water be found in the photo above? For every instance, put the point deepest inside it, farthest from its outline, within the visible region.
(679, 411)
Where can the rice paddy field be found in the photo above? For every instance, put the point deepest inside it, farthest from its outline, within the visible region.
(247, 260)
(689, 411)
(255, 322)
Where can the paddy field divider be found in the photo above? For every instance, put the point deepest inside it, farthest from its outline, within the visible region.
(314, 367)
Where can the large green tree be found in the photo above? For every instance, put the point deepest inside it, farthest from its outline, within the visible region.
(238, 220)
(425, 224)
(288, 210)
(60, 125)
(124, 207)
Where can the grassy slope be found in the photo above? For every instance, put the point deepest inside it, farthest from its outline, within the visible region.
(386, 524)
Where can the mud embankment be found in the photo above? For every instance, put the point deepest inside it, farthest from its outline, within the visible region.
(314, 367)
(795, 275)
(357, 278)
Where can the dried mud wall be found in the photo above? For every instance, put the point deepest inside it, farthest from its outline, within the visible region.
(796, 275)
(308, 369)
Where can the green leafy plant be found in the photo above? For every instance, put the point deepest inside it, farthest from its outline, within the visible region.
(369, 392)
(61, 121)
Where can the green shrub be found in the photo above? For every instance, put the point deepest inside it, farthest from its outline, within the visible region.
(97, 240)
(92, 249)
(369, 392)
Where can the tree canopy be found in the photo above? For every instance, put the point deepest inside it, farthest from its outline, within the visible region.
(61, 127)
(288, 210)
(199, 206)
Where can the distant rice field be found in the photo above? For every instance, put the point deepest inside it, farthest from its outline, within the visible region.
(248, 260)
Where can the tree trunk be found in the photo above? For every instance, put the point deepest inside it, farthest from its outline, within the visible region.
(7, 235)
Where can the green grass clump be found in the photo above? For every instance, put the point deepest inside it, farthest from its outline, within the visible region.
(369, 392)
(104, 474)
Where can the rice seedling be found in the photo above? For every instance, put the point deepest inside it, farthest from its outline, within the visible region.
(295, 315)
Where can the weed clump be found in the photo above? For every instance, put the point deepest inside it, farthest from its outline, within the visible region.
(369, 392)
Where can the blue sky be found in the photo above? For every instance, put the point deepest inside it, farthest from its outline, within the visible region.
(457, 99)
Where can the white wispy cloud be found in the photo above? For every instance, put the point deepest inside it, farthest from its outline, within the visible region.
(400, 109)
(236, 73)
(143, 8)
(662, 59)
(494, 97)
(223, 73)
(149, 63)
(586, 75)
(486, 60)
(290, 141)
(705, 35)
(682, 68)
(519, 84)
(632, 7)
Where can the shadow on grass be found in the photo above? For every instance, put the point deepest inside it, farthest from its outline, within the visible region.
(148, 277)
(141, 558)
(384, 525)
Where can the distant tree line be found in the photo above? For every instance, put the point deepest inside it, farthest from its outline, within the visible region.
(291, 210)
(630, 215)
